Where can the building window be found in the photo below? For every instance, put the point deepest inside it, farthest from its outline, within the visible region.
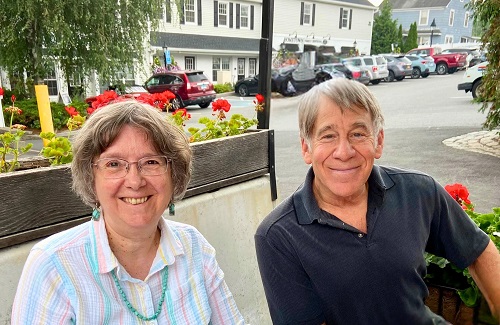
(252, 67)
(424, 17)
(307, 14)
(452, 17)
(345, 18)
(190, 11)
(215, 67)
(463, 40)
(448, 39)
(244, 16)
(223, 14)
(50, 80)
(225, 63)
(189, 63)
(466, 19)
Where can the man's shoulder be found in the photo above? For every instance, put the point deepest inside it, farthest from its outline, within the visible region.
(402, 174)
(283, 213)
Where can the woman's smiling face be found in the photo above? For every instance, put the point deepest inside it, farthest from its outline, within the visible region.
(342, 150)
(134, 202)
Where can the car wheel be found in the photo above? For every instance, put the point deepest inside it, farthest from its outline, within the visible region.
(415, 73)
(477, 89)
(442, 68)
(204, 105)
(425, 75)
(176, 103)
(390, 77)
(400, 78)
(375, 81)
(243, 90)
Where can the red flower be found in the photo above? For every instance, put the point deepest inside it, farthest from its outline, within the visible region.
(104, 99)
(1, 91)
(459, 193)
(184, 113)
(13, 98)
(71, 111)
(90, 110)
(221, 104)
(259, 98)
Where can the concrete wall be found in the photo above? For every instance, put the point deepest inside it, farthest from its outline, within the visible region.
(228, 219)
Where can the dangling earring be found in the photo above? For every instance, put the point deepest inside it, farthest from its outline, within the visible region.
(171, 209)
(96, 212)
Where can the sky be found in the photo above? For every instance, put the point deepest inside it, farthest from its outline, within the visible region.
(376, 2)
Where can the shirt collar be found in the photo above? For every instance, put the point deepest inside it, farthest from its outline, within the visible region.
(104, 261)
(307, 207)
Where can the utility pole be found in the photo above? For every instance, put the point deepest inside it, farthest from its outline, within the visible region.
(265, 62)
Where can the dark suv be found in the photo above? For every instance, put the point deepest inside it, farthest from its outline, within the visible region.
(191, 87)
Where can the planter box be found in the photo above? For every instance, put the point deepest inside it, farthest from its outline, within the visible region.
(446, 302)
(39, 202)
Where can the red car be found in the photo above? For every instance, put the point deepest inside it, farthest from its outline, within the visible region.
(191, 87)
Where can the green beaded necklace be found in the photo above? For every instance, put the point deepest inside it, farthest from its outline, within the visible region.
(134, 311)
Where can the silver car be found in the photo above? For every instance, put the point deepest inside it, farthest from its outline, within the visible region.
(376, 65)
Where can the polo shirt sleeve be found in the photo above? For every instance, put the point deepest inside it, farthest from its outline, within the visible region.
(41, 296)
(454, 235)
(290, 296)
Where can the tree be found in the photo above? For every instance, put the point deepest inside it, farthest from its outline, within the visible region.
(385, 30)
(412, 38)
(102, 35)
(400, 39)
(487, 14)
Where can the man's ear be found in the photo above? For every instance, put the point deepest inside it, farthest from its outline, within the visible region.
(380, 144)
(306, 153)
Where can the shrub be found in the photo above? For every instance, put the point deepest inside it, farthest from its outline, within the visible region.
(224, 88)
(31, 118)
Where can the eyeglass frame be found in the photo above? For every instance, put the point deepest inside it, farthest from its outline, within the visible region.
(129, 163)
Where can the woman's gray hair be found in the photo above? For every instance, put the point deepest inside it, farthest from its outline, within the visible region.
(105, 124)
(346, 94)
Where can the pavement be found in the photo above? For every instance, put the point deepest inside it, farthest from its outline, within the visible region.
(485, 142)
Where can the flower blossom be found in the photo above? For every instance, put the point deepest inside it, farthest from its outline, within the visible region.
(460, 194)
(259, 102)
(71, 111)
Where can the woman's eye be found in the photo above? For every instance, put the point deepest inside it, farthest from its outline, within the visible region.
(113, 164)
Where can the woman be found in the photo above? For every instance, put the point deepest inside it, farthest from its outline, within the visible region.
(128, 264)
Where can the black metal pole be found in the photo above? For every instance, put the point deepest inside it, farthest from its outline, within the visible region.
(432, 34)
(265, 62)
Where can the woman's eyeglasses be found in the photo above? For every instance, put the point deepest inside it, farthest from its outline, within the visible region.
(118, 168)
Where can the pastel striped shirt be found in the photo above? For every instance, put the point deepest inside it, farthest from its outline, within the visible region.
(67, 280)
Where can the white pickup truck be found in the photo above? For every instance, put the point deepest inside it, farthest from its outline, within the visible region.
(473, 79)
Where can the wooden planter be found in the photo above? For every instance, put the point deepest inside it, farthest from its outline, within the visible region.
(39, 202)
(446, 302)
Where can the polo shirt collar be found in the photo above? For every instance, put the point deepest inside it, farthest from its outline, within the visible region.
(307, 207)
(103, 260)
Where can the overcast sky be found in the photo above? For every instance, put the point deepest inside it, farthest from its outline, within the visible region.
(376, 2)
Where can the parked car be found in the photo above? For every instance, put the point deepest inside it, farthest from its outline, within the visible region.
(349, 71)
(191, 87)
(421, 66)
(399, 67)
(247, 86)
(445, 62)
(473, 79)
(472, 55)
(293, 79)
(376, 65)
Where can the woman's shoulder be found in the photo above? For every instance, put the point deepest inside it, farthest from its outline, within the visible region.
(64, 240)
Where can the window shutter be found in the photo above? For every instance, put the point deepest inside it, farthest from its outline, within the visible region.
(252, 14)
(302, 13)
(230, 15)
(340, 19)
(168, 7)
(183, 21)
(216, 13)
(350, 18)
(237, 16)
(199, 12)
(313, 13)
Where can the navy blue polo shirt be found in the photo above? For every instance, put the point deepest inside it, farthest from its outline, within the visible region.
(317, 269)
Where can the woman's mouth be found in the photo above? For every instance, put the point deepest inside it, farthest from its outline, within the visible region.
(134, 200)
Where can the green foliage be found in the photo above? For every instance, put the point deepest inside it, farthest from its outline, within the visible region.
(57, 150)
(223, 88)
(385, 30)
(400, 39)
(412, 39)
(440, 271)
(31, 118)
(214, 129)
(486, 14)
(104, 35)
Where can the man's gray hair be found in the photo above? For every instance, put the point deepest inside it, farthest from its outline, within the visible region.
(346, 94)
(105, 124)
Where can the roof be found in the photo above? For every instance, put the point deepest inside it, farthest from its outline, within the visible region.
(416, 4)
(204, 42)
(359, 2)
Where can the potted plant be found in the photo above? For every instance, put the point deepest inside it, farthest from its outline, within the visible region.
(452, 291)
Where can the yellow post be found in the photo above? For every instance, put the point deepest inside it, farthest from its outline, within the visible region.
(42, 98)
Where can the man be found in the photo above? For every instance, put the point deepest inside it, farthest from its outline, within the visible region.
(348, 246)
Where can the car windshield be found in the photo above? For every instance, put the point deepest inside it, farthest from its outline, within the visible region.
(380, 60)
(196, 77)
